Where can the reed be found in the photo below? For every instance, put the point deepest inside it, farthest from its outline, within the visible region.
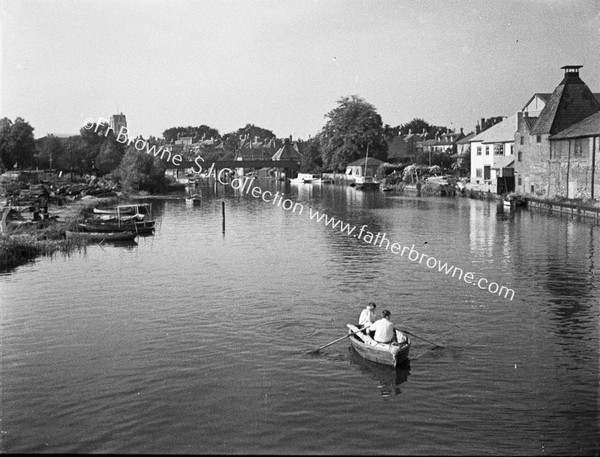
(19, 249)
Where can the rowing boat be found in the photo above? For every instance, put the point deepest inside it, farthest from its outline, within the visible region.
(102, 236)
(385, 353)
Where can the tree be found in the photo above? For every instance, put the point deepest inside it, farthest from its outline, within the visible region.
(197, 133)
(418, 125)
(49, 150)
(351, 127)
(17, 146)
(312, 160)
(140, 171)
(109, 157)
(463, 164)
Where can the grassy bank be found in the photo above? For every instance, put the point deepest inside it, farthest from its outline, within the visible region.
(23, 244)
(18, 249)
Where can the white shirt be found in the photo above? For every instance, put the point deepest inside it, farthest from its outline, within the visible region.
(367, 317)
(384, 331)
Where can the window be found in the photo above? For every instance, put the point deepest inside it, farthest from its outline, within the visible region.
(521, 139)
(519, 156)
(520, 181)
(538, 138)
(487, 150)
(578, 149)
(532, 189)
(486, 172)
(478, 150)
(479, 172)
(498, 149)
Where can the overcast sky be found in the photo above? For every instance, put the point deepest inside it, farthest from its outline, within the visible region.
(282, 65)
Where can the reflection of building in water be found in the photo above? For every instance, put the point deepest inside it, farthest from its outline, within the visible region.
(482, 234)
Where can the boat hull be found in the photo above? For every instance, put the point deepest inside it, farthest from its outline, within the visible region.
(141, 227)
(102, 236)
(392, 354)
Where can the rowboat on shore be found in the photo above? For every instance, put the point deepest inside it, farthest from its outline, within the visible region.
(392, 354)
(102, 236)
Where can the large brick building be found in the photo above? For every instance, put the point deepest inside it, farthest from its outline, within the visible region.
(557, 149)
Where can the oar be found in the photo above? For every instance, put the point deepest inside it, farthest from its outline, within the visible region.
(329, 344)
(435, 344)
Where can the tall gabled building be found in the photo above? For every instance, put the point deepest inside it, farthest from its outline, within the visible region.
(571, 102)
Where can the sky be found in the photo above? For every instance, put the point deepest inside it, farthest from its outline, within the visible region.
(283, 65)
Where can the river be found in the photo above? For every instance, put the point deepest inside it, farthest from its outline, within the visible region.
(193, 340)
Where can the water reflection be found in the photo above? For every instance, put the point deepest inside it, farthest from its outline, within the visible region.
(388, 378)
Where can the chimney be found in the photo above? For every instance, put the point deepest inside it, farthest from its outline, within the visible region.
(477, 129)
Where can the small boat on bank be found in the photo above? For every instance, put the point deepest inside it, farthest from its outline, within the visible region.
(392, 354)
(194, 199)
(102, 236)
(513, 201)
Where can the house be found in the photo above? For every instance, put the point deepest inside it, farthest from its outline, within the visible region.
(492, 157)
(357, 168)
(444, 142)
(542, 165)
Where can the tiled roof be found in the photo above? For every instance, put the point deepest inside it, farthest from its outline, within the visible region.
(287, 152)
(590, 126)
(571, 101)
(530, 121)
(502, 132)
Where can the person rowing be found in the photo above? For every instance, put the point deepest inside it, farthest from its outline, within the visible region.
(383, 328)
(367, 317)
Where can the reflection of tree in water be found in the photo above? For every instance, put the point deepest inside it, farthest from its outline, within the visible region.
(388, 378)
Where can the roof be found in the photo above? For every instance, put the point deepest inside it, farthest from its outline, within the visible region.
(466, 139)
(571, 101)
(502, 132)
(503, 162)
(287, 152)
(372, 162)
(590, 126)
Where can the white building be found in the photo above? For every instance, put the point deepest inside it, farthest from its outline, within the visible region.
(492, 157)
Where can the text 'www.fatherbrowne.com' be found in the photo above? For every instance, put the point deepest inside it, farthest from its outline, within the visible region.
(245, 185)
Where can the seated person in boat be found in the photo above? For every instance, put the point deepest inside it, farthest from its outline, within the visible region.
(367, 317)
(384, 329)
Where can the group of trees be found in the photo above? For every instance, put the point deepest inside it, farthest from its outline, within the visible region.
(352, 129)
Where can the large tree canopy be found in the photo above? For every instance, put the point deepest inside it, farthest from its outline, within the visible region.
(17, 146)
(351, 127)
(197, 133)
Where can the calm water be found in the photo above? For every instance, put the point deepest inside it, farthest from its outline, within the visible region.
(192, 341)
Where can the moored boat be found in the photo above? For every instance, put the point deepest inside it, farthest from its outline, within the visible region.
(195, 199)
(392, 354)
(365, 183)
(303, 178)
(102, 236)
(513, 200)
(141, 227)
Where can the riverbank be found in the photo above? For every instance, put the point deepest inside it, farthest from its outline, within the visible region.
(22, 244)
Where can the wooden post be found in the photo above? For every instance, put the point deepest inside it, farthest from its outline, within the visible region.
(223, 210)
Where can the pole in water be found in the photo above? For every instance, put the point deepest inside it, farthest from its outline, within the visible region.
(223, 208)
